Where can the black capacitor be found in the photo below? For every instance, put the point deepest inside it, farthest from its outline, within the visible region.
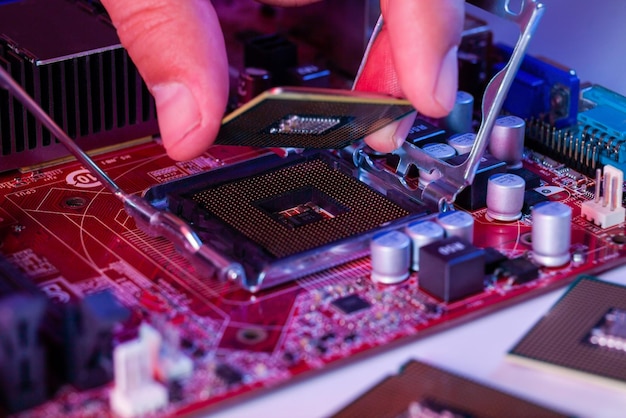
(451, 269)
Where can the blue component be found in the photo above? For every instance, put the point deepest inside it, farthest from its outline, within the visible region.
(605, 123)
(598, 139)
(527, 96)
(605, 119)
(597, 96)
(541, 90)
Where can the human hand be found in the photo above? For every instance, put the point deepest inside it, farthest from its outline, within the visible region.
(179, 50)
(414, 56)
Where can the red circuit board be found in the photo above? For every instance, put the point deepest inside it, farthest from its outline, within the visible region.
(73, 238)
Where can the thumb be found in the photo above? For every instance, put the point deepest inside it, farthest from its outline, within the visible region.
(179, 50)
(414, 56)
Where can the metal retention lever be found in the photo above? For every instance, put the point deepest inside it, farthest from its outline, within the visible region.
(442, 192)
(151, 220)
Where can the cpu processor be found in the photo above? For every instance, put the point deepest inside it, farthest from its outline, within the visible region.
(282, 218)
(310, 118)
(584, 333)
(422, 390)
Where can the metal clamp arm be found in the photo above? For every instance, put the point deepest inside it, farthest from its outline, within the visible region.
(442, 192)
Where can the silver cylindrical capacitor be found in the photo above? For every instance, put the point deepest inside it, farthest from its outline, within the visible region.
(459, 120)
(252, 82)
(551, 233)
(507, 140)
(462, 143)
(422, 233)
(390, 257)
(438, 150)
(457, 224)
(505, 196)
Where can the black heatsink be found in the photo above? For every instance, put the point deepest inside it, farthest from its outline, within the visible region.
(67, 55)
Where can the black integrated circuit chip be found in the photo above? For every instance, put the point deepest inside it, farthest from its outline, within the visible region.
(228, 374)
(351, 304)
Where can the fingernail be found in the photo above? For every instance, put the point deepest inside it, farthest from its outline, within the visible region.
(398, 139)
(445, 90)
(178, 111)
(403, 129)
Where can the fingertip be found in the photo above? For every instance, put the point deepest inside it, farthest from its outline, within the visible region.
(392, 136)
(179, 50)
(424, 36)
(184, 132)
(191, 145)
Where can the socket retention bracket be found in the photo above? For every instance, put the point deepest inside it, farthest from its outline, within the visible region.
(441, 193)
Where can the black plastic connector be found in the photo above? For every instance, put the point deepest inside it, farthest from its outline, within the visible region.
(88, 339)
(273, 53)
(22, 357)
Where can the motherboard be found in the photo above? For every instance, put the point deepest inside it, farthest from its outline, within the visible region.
(342, 252)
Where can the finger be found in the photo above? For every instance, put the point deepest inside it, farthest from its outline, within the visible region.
(289, 3)
(414, 55)
(179, 50)
(424, 36)
(391, 136)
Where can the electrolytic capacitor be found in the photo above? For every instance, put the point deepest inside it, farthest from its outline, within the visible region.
(457, 224)
(460, 118)
(505, 197)
(507, 140)
(252, 82)
(438, 150)
(390, 257)
(551, 233)
(462, 143)
(422, 233)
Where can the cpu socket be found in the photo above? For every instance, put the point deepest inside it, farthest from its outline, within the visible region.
(285, 217)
